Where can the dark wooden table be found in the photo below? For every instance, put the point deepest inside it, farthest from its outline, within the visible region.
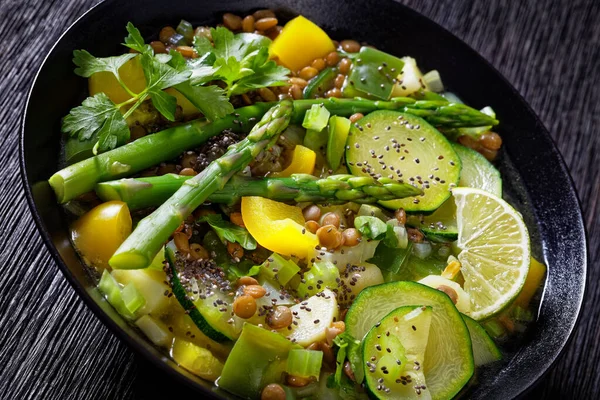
(53, 347)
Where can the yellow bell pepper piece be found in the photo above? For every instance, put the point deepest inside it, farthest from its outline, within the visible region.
(131, 74)
(536, 274)
(99, 233)
(299, 43)
(303, 162)
(187, 107)
(196, 359)
(277, 226)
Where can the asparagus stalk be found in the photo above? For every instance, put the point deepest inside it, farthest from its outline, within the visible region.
(153, 191)
(140, 248)
(150, 150)
(147, 151)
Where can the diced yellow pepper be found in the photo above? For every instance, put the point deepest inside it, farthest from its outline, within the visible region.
(100, 232)
(277, 226)
(186, 106)
(131, 74)
(196, 359)
(303, 162)
(536, 273)
(300, 42)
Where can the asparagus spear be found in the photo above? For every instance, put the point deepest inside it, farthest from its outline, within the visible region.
(140, 248)
(153, 191)
(150, 150)
(147, 151)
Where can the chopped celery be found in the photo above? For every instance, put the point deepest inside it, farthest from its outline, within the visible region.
(132, 298)
(374, 72)
(321, 275)
(495, 328)
(259, 357)
(111, 289)
(320, 84)
(316, 118)
(339, 127)
(278, 269)
(304, 363)
(196, 359)
(154, 330)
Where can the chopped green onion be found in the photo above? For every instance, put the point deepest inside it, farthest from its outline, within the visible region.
(186, 30)
(433, 81)
(304, 363)
(316, 118)
(278, 269)
(155, 330)
(494, 328)
(132, 298)
(111, 289)
(522, 314)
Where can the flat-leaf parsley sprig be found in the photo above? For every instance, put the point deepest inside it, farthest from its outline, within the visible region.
(240, 61)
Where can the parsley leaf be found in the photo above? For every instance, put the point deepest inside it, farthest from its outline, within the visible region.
(160, 76)
(267, 74)
(230, 232)
(87, 64)
(241, 61)
(210, 100)
(135, 40)
(97, 115)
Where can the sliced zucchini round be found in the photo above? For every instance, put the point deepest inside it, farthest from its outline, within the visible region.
(485, 350)
(477, 172)
(407, 149)
(210, 309)
(394, 352)
(448, 357)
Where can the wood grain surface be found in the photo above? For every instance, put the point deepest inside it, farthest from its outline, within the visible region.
(52, 347)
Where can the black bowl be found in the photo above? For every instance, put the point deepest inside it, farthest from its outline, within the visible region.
(535, 178)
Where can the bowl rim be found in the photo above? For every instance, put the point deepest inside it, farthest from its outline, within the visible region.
(139, 348)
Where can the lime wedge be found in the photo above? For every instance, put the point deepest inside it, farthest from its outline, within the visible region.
(494, 245)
